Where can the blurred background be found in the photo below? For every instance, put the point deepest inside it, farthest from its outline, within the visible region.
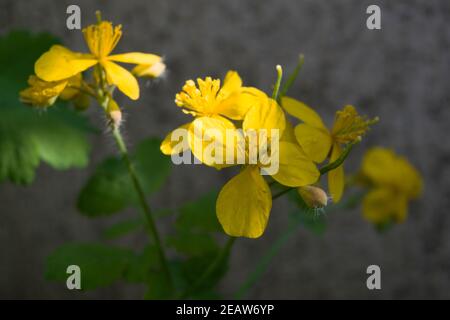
(399, 73)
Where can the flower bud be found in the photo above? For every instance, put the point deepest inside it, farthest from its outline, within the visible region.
(114, 114)
(313, 196)
(151, 71)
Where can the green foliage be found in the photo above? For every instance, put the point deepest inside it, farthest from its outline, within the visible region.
(192, 244)
(199, 215)
(57, 136)
(100, 265)
(122, 228)
(110, 189)
(196, 226)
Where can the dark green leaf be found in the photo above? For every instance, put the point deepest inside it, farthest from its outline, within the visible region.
(123, 228)
(143, 266)
(100, 265)
(193, 244)
(199, 215)
(194, 267)
(57, 136)
(110, 189)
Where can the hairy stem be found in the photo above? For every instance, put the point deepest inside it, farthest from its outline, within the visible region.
(143, 202)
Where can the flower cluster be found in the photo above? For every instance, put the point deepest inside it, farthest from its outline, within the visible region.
(59, 71)
(391, 182)
(244, 203)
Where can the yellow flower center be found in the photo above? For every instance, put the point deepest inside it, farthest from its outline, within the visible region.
(349, 126)
(102, 38)
(201, 98)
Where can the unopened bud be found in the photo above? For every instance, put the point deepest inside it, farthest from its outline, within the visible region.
(313, 196)
(114, 113)
(151, 71)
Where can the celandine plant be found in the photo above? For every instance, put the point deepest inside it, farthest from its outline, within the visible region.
(230, 125)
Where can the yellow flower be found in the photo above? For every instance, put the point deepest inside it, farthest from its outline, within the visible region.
(212, 106)
(319, 143)
(42, 93)
(244, 203)
(394, 182)
(60, 63)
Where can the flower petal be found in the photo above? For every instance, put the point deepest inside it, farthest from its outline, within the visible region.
(170, 147)
(301, 111)
(265, 115)
(336, 177)
(383, 205)
(122, 78)
(316, 142)
(295, 168)
(207, 140)
(236, 105)
(383, 167)
(136, 58)
(244, 204)
(60, 63)
(231, 83)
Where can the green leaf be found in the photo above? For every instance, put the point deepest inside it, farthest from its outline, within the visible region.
(194, 267)
(192, 244)
(100, 265)
(57, 136)
(143, 266)
(199, 215)
(110, 189)
(123, 228)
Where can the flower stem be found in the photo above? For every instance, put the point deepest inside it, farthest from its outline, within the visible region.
(211, 269)
(143, 202)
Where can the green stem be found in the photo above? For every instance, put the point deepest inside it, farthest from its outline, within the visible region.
(293, 76)
(335, 164)
(282, 192)
(211, 269)
(276, 89)
(143, 202)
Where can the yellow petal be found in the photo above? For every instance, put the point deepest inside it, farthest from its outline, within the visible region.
(267, 115)
(336, 177)
(74, 82)
(42, 93)
(316, 142)
(236, 105)
(383, 205)
(122, 78)
(302, 112)
(384, 168)
(288, 133)
(60, 63)
(231, 83)
(171, 145)
(244, 204)
(296, 169)
(207, 140)
(136, 58)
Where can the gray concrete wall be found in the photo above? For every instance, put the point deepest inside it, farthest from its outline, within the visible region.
(400, 73)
